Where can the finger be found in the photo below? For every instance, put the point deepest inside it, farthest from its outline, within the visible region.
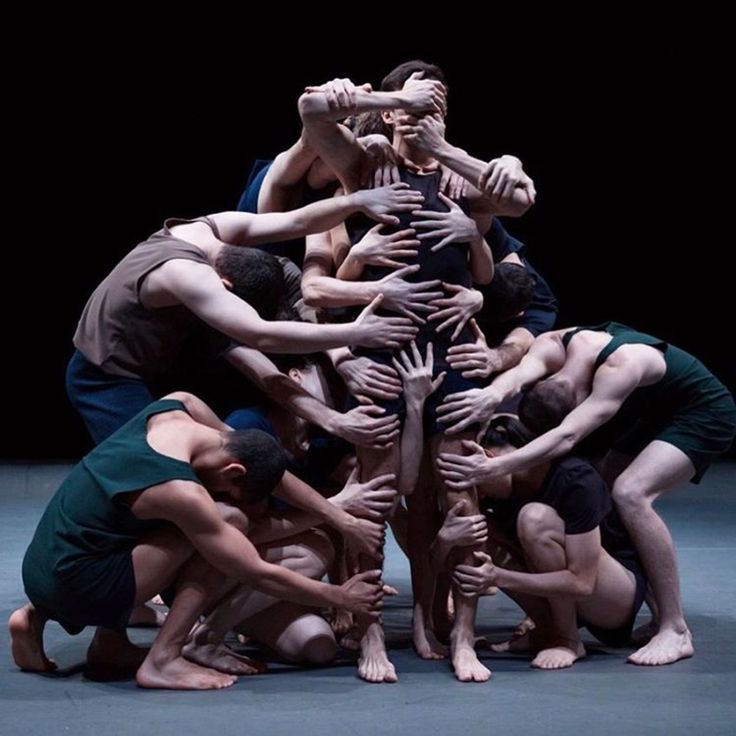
(448, 322)
(446, 200)
(477, 330)
(388, 219)
(457, 509)
(500, 184)
(388, 263)
(460, 325)
(435, 233)
(416, 354)
(429, 358)
(475, 373)
(385, 370)
(438, 381)
(461, 365)
(408, 313)
(401, 235)
(400, 368)
(405, 360)
(445, 241)
(508, 190)
(443, 314)
(405, 271)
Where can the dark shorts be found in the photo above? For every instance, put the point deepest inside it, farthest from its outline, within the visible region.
(621, 636)
(703, 433)
(105, 402)
(91, 592)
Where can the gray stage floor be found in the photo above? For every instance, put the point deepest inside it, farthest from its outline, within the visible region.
(601, 693)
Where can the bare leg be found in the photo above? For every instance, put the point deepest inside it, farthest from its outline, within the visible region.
(112, 656)
(658, 468)
(422, 527)
(156, 562)
(465, 662)
(542, 536)
(373, 663)
(309, 554)
(26, 633)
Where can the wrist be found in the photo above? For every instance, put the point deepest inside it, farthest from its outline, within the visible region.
(414, 404)
(332, 422)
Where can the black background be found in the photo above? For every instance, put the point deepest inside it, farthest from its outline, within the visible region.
(622, 129)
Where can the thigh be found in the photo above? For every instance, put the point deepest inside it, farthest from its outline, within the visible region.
(611, 604)
(157, 559)
(658, 468)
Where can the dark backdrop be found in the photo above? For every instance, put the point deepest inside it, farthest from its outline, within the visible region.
(623, 141)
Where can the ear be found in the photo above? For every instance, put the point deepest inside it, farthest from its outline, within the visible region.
(232, 471)
(388, 117)
(227, 283)
(295, 375)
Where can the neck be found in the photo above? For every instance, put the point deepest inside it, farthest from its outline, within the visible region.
(415, 155)
(206, 449)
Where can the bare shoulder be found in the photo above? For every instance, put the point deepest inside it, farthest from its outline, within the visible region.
(174, 501)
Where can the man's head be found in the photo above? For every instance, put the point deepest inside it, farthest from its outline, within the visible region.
(255, 276)
(396, 79)
(307, 372)
(248, 466)
(510, 292)
(547, 403)
(504, 435)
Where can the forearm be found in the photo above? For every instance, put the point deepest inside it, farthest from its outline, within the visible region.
(481, 261)
(412, 446)
(326, 291)
(295, 337)
(299, 494)
(314, 107)
(351, 269)
(550, 445)
(513, 348)
(544, 584)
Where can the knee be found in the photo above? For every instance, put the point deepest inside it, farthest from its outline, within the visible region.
(536, 522)
(629, 496)
(319, 649)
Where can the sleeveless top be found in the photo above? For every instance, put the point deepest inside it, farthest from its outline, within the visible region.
(120, 335)
(85, 520)
(686, 384)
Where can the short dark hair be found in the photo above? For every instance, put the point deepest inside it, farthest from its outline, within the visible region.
(506, 429)
(395, 79)
(263, 458)
(546, 404)
(510, 292)
(257, 278)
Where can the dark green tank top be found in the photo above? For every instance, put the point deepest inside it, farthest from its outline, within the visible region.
(86, 518)
(686, 384)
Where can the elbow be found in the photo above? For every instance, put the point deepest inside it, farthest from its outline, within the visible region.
(309, 107)
(311, 295)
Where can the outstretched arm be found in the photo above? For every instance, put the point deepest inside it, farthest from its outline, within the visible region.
(611, 386)
(459, 411)
(245, 228)
(189, 507)
(199, 288)
(577, 580)
(502, 183)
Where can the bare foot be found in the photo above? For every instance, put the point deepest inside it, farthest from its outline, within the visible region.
(26, 634)
(665, 647)
(375, 667)
(559, 657)
(467, 666)
(390, 590)
(342, 621)
(221, 658)
(426, 644)
(178, 674)
(143, 616)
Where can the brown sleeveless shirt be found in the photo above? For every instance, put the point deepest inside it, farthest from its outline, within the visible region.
(121, 336)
